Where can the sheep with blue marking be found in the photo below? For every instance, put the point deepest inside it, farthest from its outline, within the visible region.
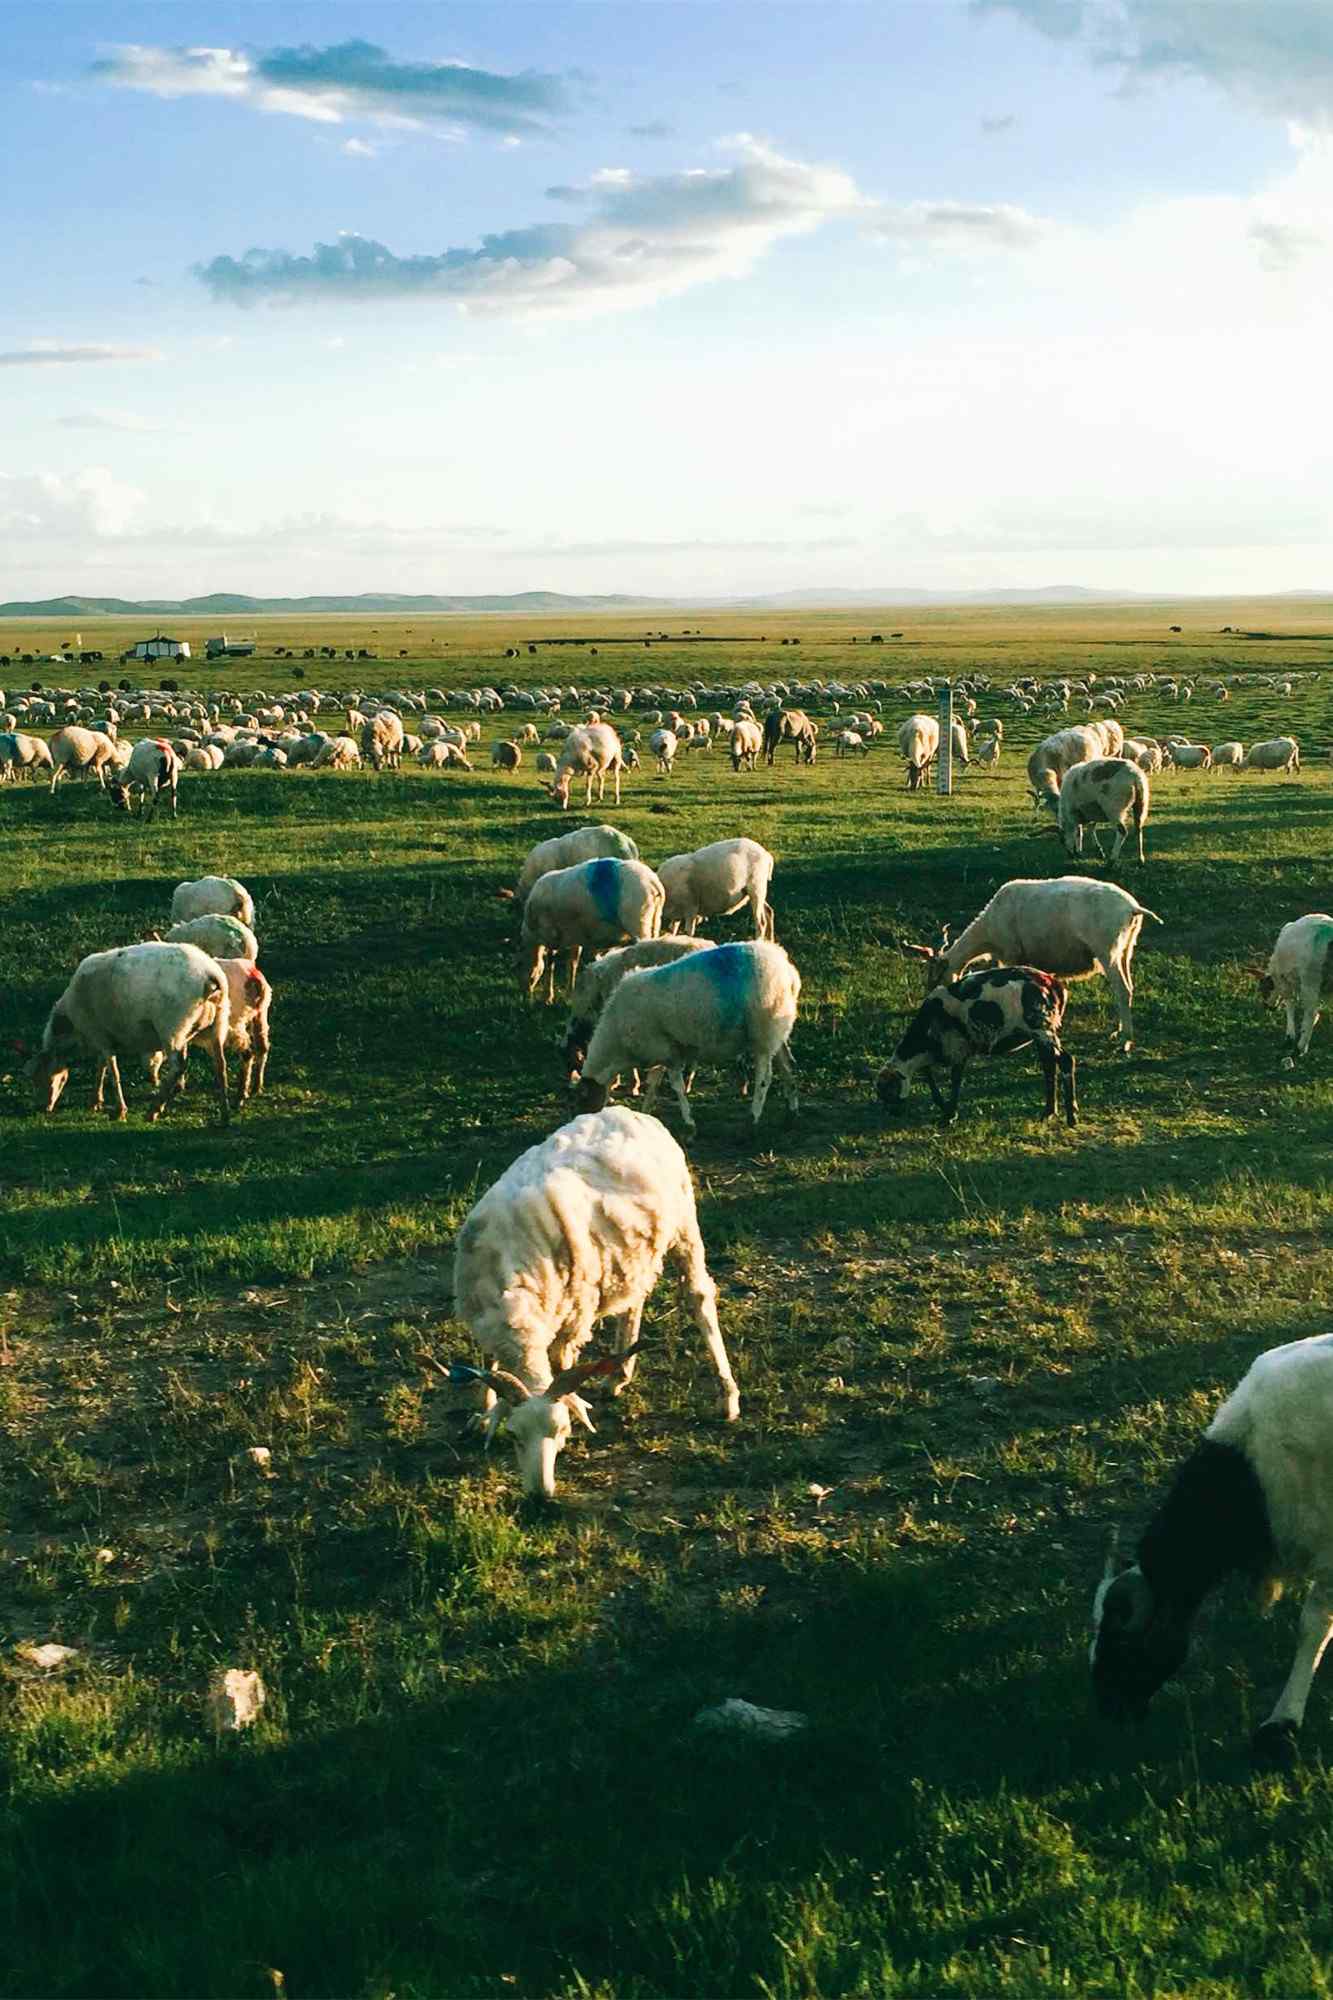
(598, 981)
(1255, 1498)
(578, 1230)
(591, 905)
(734, 1002)
(584, 843)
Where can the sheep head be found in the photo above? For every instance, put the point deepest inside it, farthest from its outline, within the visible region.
(1137, 1642)
(539, 1422)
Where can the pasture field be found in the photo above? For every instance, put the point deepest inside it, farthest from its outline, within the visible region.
(962, 1354)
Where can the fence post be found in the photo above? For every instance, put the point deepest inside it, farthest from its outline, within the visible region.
(944, 766)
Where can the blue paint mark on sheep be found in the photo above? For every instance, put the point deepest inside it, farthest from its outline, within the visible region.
(731, 970)
(604, 889)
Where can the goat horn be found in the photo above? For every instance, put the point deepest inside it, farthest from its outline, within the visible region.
(460, 1373)
(584, 1371)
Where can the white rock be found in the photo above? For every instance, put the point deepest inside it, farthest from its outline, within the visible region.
(48, 1656)
(774, 1725)
(235, 1698)
(261, 1458)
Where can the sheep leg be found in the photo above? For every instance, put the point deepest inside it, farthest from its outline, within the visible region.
(1275, 1741)
(1067, 1069)
(763, 1077)
(97, 1101)
(533, 973)
(575, 960)
(677, 1076)
(1121, 982)
(259, 1042)
(219, 1055)
(628, 1333)
(1310, 997)
(785, 1065)
(701, 1294)
(113, 1067)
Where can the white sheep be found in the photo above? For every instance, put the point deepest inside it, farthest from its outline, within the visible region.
(212, 895)
(1071, 926)
(592, 752)
(21, 752)
(1254, 1497)
(152, 768)
(919, 742)
(143, 999)
(716, 880)
(737, 1000)
(1230, 755)
(664, 743)
(1056, 755)
(1278, 753)
(219, 936)
(578, 1230)
(598, 980)
(584, 843)
(1298, 977)
(594, 903)
(382, 739)
(80, 750)
(747, 740)
(1110, 789)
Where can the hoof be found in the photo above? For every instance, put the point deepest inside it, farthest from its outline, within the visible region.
(1276, 1746)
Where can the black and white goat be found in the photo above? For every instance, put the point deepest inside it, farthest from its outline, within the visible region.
(990, 1013)
(1256, 1496)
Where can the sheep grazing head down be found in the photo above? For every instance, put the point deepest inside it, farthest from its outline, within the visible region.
(48, 1069)
(1137, 1644)
(539, 1422)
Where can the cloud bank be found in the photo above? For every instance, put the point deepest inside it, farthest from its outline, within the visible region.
(1274, 54)
(57, 353)
(959, 226)
(347, 80)
(640, 238)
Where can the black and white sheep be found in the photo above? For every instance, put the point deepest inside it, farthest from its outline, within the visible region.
(153, 768)
(1255, 1497)
(1108, 789)
(578, 1230)
(991, 1013)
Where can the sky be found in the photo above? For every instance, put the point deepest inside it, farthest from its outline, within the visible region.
(666, 297)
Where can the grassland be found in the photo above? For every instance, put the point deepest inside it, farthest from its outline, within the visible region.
(961, 1353)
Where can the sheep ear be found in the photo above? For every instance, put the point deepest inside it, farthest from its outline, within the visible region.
(944, 937)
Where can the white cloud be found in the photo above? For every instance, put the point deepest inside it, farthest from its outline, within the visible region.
(960, 227)
(360, 149)
(353, 79)
(42, 507)
(55, 353)
(1274, 54)
(107, 420)
(644, 237)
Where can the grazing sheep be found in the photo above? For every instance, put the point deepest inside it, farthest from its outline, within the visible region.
(382, 739)
(1279, 753)
(1232, 755)
(919, 742)
(81, 750)
(219, 936)
(251, 998)
(790, 725)
(1056, 755)
(20, 752)
(576, 1231)
(143, 999)
(1255, 1497)
(986, 750)
(584, 843)
(958, 743)
(1071, 927)
(1298, 977)
(664, 744)
(339, 754)
(442, 756)
(1191, 756)
(545, 762)
(1111, 789)
(1147, 756)
(212, 895)
(153, 768)
(594, 903)
(505, 756)
(747, 740)
(849, 741)
(598, 981)
(736, 1000)
(592, 752)
(987, 1013)
(715, 881)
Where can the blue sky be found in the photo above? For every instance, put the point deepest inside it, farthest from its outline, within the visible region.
(687, 298)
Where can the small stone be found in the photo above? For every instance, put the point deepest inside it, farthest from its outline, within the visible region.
(105, 1557)
(261, 1458)
(772, 1725)
(49, 1656)
(235, 1698)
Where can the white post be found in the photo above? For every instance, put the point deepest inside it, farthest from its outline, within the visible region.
(944, 767)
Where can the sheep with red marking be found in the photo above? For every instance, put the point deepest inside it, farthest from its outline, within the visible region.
(576, 1231)
(991, 1013)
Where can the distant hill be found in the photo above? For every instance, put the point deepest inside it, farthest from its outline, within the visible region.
(229, 604)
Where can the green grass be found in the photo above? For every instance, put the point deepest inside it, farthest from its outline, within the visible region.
(476, 1772)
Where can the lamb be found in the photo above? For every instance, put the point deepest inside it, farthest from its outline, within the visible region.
(737, 1000)
(1071, 926)
(747, 740)
(848, 742)
(382, 739)
(1111, 789)
(153, 768)
(1298, 975)
(986, 1013)
(1279, 753)
(1232, 755)
(716, 880)
(219, 936)
(212, 895)
(585, 843)
(143, 999)
(919, 741)
(1255, 1497)
(1147, 756)
(664, 744)
(74, 749)
(592, 752)
(1056, 755)
(986, 750)
(599, 980)
(577, 1230)
(595, 903)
